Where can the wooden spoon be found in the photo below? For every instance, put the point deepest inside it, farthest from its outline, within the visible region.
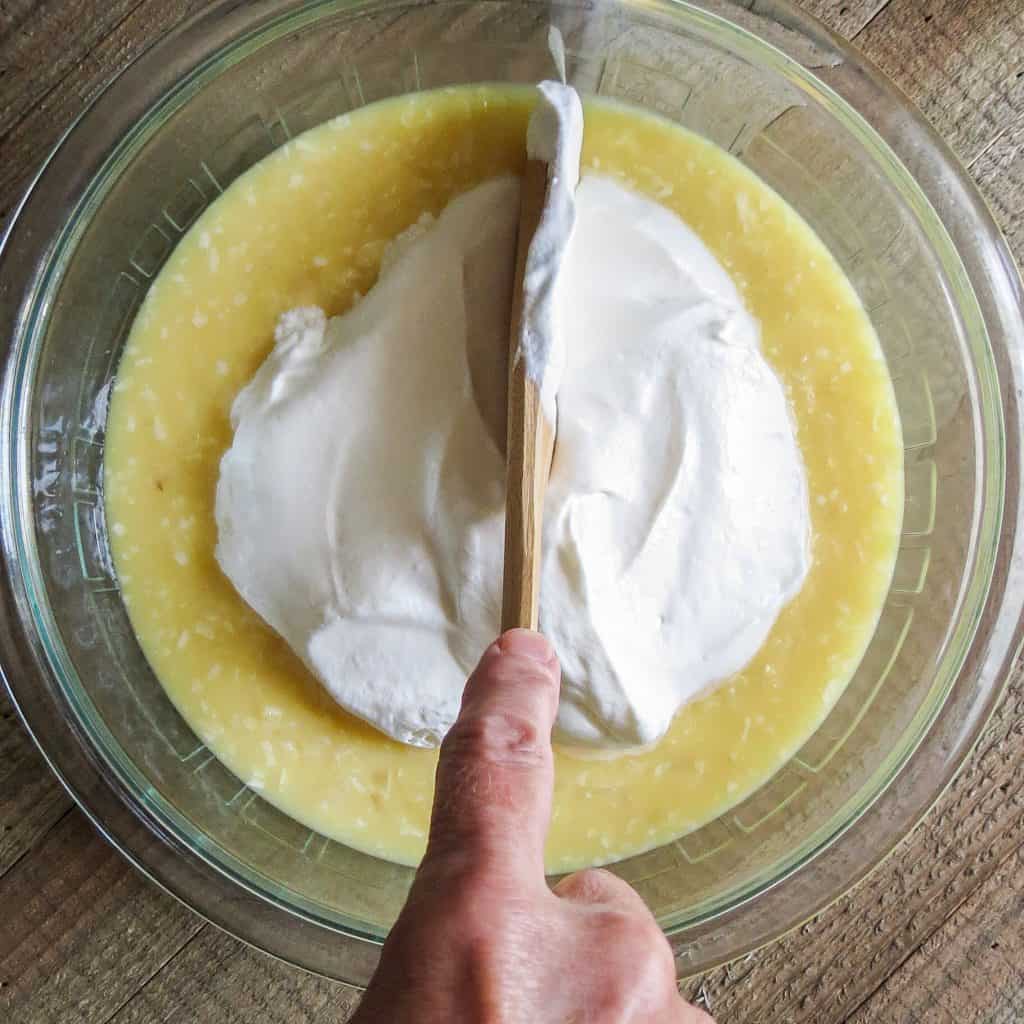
(530, 437)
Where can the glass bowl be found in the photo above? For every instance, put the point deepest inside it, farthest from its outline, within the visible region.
(792, 102)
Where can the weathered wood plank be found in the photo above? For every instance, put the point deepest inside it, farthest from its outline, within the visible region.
(961, 61)
(44, 44)
(972, 970)
(829, 967)
(31, 799)
(82, 930)
(845, 19)
(13, 15)
(36, 107)
(999, 170)
(216, 978)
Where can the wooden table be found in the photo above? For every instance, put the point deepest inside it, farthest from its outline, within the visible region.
(936, 934)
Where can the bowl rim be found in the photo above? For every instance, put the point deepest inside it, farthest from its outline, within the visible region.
(156, 77)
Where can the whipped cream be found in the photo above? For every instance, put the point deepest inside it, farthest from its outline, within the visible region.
(554, 136)
(677, 523)
(360, 507)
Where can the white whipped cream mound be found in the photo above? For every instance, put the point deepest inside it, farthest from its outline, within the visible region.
(360, 507)
(554, 136)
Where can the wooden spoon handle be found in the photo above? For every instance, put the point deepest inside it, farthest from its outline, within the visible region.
(530, 438)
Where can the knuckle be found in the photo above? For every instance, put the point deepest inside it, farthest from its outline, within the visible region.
(464, 934)
(515, 673)
(587, 886)
(642, 945)
(486, 917)
(520, 670)
(626, 931)
(659, 958)
(498, 737)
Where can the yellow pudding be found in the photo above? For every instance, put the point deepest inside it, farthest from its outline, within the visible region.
(309, 225)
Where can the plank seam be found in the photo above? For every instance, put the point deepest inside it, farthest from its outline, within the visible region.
(870, 21)
(97, 87)
(947, 846)
(1016, 123)
(1013, 852)
(38, 840)
(160, 967)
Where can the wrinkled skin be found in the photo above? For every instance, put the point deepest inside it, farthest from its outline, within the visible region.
(482, 940)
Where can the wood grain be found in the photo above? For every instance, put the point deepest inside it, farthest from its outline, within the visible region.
(961, 61)
(29, 44)
(216, 978)
(31, 799)
(82, 931)
(13, 15)
(35, 113)
(972, 968)
(846, 19)
(529, 438)
(999, 170)
(933, 935)
(839, 959)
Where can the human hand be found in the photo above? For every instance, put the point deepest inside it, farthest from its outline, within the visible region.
(482, 939)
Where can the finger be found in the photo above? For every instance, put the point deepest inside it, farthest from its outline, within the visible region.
(634, 948)
(600, 888)
(492, 803)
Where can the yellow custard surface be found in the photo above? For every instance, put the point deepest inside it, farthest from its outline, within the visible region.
(308, 225)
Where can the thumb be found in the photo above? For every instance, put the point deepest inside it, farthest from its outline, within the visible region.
(495, 776)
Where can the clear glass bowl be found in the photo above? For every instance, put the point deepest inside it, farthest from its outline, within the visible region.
(793, 103)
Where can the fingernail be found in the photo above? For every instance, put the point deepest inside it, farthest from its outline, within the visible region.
(527, 643)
